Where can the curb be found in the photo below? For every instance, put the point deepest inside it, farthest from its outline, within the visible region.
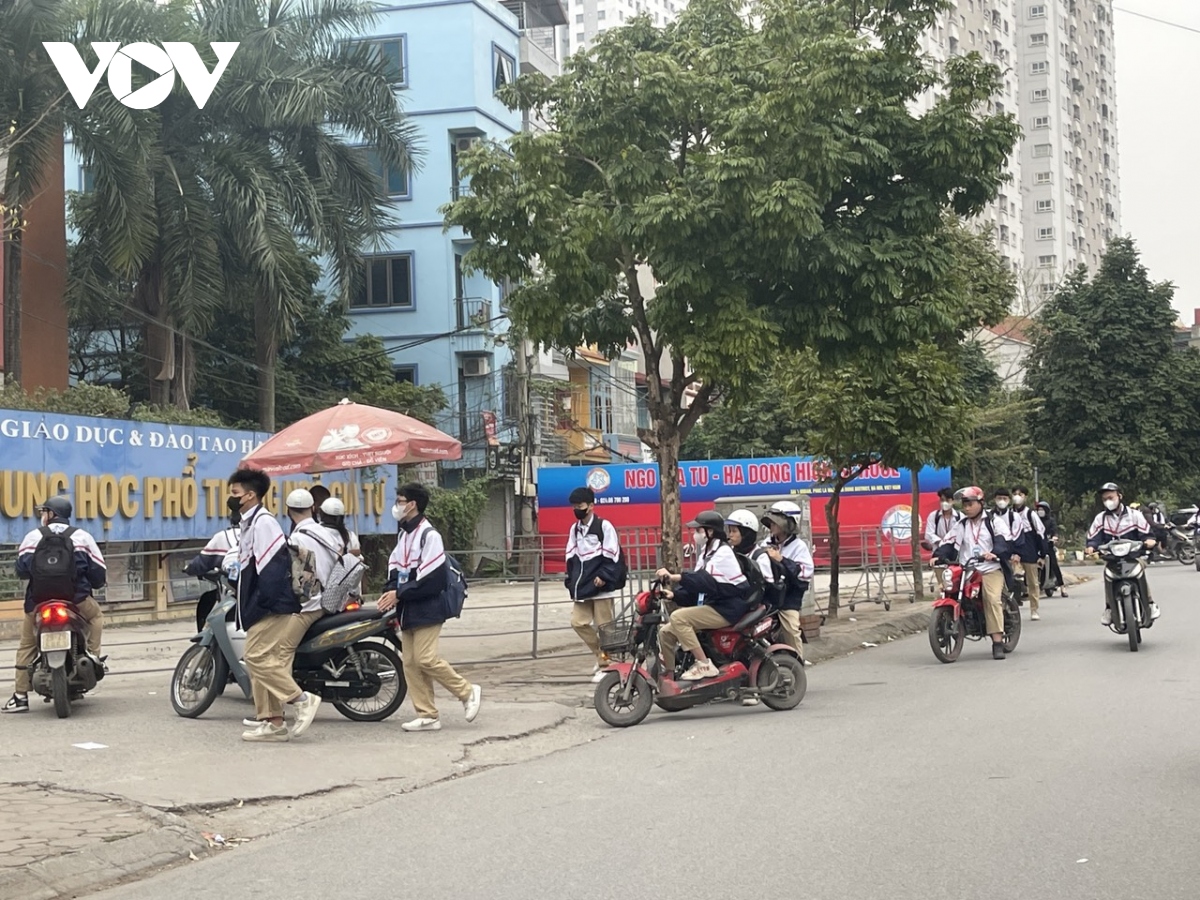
(88, 870)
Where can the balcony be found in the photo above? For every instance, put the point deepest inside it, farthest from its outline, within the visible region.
(538, 20)
(473, 321)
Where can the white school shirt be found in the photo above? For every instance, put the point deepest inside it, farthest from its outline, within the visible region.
(939, 523)
(972, 538)
(722, 565)
(408, 553)
(587, 547)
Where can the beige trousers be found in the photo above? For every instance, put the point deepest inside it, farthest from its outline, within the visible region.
(93, 618)
(681, 630)
(270, 651)
(790, 620)
(423, 666)
(586, 618)
(1032, 588)
(993, 601)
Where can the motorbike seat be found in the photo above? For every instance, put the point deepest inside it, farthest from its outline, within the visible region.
(337, 620)
(753, 617)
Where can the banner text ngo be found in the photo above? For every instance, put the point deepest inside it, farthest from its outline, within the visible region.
(138, 481)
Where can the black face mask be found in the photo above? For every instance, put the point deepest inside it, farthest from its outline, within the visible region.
(235, 505)
(582, 514)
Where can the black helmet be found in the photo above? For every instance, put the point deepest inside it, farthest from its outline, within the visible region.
(710, 519)
(1110, 486)
(58, 507)
(1042, 504)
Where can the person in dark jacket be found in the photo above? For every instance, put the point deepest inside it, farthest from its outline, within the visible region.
(1029, 544)
(266, 605)
(90, 575)
(416, 581)
(592, 571)
(713, 595)
(213, 556)
(1052, 577)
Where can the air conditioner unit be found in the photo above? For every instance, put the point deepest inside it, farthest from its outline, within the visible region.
(463, 144)
(476, 366)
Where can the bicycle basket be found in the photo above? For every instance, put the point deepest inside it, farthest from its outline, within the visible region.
(617, 636)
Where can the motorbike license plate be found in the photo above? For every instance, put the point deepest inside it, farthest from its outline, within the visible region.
(56, 640)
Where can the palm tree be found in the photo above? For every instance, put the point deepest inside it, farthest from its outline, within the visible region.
(234, 198)
(31, 104)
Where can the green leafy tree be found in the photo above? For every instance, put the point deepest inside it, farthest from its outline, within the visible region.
(770, 175)
(195, 206)
(1120, 401)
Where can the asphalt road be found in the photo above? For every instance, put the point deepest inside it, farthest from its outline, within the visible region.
(1069, 770)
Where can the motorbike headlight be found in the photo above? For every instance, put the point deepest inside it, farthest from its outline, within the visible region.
(1121, 548)
(947, 579)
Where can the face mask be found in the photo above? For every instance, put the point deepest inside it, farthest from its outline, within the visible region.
(581, 514)
(234, 504)
(1001, 504)
(1019, 499)
(1111, 505)
(398, 511)
(947, 506)
(1041, 514)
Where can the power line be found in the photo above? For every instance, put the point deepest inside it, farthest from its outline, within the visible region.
(1142, 15)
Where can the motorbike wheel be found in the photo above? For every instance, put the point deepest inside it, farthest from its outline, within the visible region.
(621, 713)
(1012, 628)
(61, 692)
(791, 684)
(383, 661)
(199, 679)
(945, 637)
(1132, 623)
(1186, 554)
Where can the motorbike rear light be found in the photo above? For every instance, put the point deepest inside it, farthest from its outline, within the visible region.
(350, 607)
(763, 627)
(55, 614)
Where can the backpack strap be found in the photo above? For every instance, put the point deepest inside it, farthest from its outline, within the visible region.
(597, 527)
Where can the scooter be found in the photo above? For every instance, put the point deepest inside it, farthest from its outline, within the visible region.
(351, 659)
(749, 665)
(1125, 589)
(959, 614)
(63, 670)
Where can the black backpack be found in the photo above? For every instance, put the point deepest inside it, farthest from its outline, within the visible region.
(773, 594)
(52, 571)
(754, 576)
(597, 529)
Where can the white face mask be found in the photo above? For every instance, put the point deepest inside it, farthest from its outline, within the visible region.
(398, 511)
(1111, 505)
(1001, 504)
(947, 506)
(1019, 499)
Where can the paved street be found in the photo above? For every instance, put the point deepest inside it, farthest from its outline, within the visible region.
(1069, 770)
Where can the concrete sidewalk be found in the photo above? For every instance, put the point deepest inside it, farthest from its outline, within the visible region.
(125, 786)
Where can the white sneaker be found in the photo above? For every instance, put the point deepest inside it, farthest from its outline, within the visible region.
(306, 711)
(422, 724)
(1106, 617)
(471, 704)
(750, 701)
(1034, 616)
(267, 733)
(1155, 612)
(699, 671)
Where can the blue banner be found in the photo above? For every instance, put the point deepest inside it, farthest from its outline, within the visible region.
(710, 480)
(144, 481)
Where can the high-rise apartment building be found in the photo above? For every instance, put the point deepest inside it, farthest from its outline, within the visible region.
(587, 18)
(1056, 59)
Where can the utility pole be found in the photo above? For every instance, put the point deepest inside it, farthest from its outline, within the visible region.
(528, 441)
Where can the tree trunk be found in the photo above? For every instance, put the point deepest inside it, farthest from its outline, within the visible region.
(10, 293)
(832, 508)
(918, 565)
(266, 353)
(670, 553)
(160, 336)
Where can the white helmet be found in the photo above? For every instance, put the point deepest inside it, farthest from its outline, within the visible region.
(785, 514)
(333, 507)
(299, 499)
(745, 520)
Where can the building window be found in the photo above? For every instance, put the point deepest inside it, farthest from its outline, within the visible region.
(1045, 234)
(393, 181)
(1045, 206)
(1047, 262)
(405, 374)
(388, 283)
(1043, 178)
(1041, 150)
(1041, 95)
(87, 179)
(602, 401)
(1039, 68)
(504, 69)
(1047, 287)
(1041, 121)
(1039, 40)
(1037, 12)
(393, 53)
(600, 14)
(578, 18)
(579, 38)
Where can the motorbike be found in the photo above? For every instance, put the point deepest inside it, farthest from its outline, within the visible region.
(749, 665)
(63, 670)
(351, 659)
(1125, 589)
(1178, 543)
(958, 614)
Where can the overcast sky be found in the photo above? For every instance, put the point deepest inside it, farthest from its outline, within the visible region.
(1158, 121)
